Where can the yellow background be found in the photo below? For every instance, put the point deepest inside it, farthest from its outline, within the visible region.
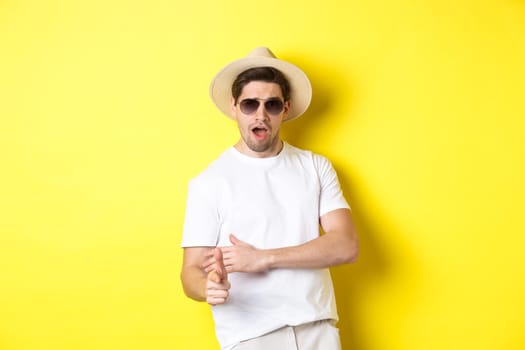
(105, 116)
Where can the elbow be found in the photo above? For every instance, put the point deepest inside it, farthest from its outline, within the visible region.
(189, 287)
(349, 254)
(353, 255)
(185, 287)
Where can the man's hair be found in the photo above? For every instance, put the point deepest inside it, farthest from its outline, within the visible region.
(266, 74)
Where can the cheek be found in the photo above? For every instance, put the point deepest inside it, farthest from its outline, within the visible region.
(276, 123)
(276, 129)
(244, 126)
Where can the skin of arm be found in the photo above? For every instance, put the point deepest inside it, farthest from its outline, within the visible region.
(339, 245)
(211, 286)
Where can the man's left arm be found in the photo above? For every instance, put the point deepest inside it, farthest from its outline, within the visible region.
(339, 245)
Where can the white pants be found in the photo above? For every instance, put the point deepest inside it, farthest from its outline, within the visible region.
(319, 335)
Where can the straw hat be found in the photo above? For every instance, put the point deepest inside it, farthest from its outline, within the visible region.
(301, 89)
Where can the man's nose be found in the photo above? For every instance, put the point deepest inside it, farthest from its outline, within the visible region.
(260, 113)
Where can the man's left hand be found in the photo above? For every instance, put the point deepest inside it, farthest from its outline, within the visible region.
(240, 257)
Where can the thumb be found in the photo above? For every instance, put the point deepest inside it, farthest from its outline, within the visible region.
(214, 277)
(219, 274)
(235, 240)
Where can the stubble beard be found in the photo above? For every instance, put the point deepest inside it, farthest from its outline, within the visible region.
(261, 146)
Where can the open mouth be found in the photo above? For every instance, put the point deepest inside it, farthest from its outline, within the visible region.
(260, 132)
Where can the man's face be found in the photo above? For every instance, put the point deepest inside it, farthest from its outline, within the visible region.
(260, 129)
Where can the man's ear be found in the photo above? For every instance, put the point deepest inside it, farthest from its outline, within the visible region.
(287, 106)
(232, 107)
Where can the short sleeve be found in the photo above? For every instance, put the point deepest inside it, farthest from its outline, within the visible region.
(201, 221)
(331, 196)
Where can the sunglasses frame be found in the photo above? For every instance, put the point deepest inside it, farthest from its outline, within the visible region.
(265, 102)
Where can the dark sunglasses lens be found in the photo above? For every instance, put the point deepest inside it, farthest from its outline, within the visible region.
(248, 106)
(274, 106)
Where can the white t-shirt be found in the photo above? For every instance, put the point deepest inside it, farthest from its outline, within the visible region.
(268, 203)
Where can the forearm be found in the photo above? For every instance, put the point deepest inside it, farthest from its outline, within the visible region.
(339, 245)
(194, 282)
(325, 251)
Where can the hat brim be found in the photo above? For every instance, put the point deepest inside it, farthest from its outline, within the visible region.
(301, 89)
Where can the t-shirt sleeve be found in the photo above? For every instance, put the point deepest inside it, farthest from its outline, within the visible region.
(331, 196)
(201, 221)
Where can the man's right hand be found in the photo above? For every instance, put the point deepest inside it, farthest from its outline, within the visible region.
(217, 285)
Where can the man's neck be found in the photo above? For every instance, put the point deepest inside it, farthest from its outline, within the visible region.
(271, 152)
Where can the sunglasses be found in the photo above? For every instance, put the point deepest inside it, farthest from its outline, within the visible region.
(273, 106)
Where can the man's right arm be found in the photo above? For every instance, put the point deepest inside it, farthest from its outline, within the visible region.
(212, 287)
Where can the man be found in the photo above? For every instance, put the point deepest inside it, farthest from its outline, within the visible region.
(252, 243)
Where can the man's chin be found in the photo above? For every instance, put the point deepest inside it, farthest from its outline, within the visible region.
(260, 148)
